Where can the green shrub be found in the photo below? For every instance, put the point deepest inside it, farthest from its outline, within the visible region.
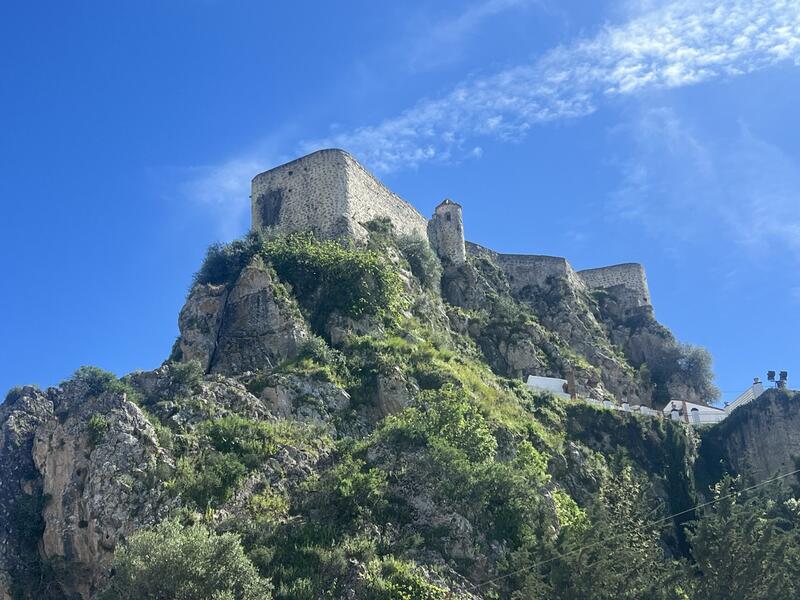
(230, 448)
(350, 490)
(224, 262)
(98, 428)
(380, 225)
(327, 276)
(98, 381)
(392, 579)
(209, 479)
(317, 360)
(425, 266)
(186, 375)
(184, 563)
(252, 442)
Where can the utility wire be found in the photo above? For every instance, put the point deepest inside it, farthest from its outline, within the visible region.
(652, 524)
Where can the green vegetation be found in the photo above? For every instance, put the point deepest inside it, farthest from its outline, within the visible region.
(229, 449)
(747, 546)
(424, 264)
(326, 277)
(473, 482)
(329, 277)
(685, 365)
(97, 428)
(184, 563)
(97, 381)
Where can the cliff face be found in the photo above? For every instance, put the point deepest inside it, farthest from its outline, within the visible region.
(320, 392)
(758, 441)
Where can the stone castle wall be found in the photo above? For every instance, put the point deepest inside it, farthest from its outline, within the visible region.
(330, 194)
(524, 270)
(628, 278)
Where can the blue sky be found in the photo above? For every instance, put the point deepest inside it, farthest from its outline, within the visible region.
(664, 133)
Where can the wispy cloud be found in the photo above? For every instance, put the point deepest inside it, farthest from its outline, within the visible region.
(441, 43)
(674, 45)
(743, 191)
(681, 44)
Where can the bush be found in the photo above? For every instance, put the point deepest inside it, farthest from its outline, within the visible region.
(251, 442)
(233, 447)
(424, 264)
(210, 479)
(184, 563)
(224, 262)
(186, 375)
(328, 277)
(98, 428)
(98, 381)
(682, 365)
(392, 579)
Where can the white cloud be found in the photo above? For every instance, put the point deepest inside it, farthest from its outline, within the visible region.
(744, 192)
(434, 46)
(680, 44)
(224, 191)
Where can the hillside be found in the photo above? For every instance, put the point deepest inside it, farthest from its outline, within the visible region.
(342, 420)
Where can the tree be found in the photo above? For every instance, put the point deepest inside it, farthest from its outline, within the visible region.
(619, 554)
(184, 563)
(743, 549)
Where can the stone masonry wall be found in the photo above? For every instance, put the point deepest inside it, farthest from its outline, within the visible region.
(524, 270)
(307, 194)
(629, 279)
(330, 194)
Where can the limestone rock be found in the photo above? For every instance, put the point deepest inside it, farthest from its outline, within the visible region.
(252, 326)
(758, 440)
(199, 322)
(184, 407)
(98, 460)
(317, 402)
(393, 392)
(24, 410)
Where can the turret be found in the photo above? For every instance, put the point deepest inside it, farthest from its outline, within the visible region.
(446, 233)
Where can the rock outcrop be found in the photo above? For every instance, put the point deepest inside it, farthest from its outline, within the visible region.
(253, 325)
(98, 459)
(25, 410)
(757, 441)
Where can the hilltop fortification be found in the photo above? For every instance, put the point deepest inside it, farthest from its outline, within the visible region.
(329, 193)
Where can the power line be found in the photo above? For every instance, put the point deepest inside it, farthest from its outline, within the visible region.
(652, 524)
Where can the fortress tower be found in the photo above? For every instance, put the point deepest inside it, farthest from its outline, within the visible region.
(446, 233)
(329, 193)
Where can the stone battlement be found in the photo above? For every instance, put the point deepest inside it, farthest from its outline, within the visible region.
(330, 194)
(627, 279)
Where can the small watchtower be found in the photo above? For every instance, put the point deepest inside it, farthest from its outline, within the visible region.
(446, 233)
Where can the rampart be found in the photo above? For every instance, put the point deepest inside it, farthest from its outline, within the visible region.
(330, 194)
(626, 280)
(524, 270)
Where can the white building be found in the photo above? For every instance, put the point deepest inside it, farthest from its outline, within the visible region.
(557, 387)
(694, 414)
(750, 394)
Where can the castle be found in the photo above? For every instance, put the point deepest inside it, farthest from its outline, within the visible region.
(330, 194)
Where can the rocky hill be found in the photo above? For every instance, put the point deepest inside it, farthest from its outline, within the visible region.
(342, 421)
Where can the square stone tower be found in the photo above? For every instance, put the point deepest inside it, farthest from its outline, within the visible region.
(330, 194)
